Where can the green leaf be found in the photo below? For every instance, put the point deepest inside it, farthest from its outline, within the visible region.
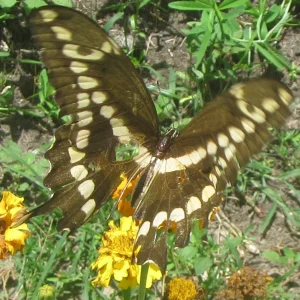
(290, 215)
(66, 3)
(273, 56)
(290, 174)
(297, 257)
(275, 257)
(263, 30)
(4, 54)
(272, 13)
(205, 42)
(108, 25)
(289, 253)
(227, 4)
(7, 97)
(4, 4)
(188, 252)
(29, 5)
(233, 245)
(191, 6)
(24, 165)
(268, 218)
(232, 28)
(202, 264)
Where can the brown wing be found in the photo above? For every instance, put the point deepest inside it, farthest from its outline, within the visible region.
(205, 158)
(98, 87)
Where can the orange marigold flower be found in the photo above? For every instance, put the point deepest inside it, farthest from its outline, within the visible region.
(11, 239)
(183, 289)
(115, 258)
(124, 205)
(213, 213)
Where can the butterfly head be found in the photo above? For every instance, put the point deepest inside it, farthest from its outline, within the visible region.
(165, 143)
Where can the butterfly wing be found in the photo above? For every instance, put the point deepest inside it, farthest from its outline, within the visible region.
(205, 158)
(108, 104)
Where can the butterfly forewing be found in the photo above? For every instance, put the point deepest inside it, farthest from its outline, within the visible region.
(98, 87)
(180, 180)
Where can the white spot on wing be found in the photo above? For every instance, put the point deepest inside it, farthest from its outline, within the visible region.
(83, 100)
(202, 152)
(62, 33)
(237, 90)
(48, 15)
(211, 148)
(78, 67)
(160, 218)
(185, 160)
(116, 122)
(85, 118)
(270, 105)
(144, 229)
(177, 214)
(208, 192)
(82, 138)
(72, 51)
(86, 188)
(213, 179)
(170, 165)
(88, 208)
(254, 113)
(218, 171)
(222, 162)
(195, 157)
(86, 82)
(285, 97)
(75, 155)
(193, 204)
(107, 111)
(121, 131)
(98, 97)
(79, 172)
(228, 153)
(223, 140)
(106, 47)
(248, 125)
(236, 134)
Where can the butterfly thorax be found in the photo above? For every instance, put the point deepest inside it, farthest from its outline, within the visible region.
(165, 142)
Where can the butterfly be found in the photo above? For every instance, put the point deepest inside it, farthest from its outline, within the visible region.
(181, 176)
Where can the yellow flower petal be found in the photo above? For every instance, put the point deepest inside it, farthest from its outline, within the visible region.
(11, 239)
(154, 273)
(117, 247)
(121, 269)
(182, 289)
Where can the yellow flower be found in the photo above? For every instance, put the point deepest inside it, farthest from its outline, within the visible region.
(116, 254)
(11, 239)
(183, 289)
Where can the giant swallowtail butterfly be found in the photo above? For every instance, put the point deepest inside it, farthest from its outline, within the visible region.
(182, 176)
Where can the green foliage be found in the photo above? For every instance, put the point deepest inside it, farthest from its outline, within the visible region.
(230, 35)
(230, 40)
(261, 174)
(61, 262)
(27, 169)
(289, 258)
